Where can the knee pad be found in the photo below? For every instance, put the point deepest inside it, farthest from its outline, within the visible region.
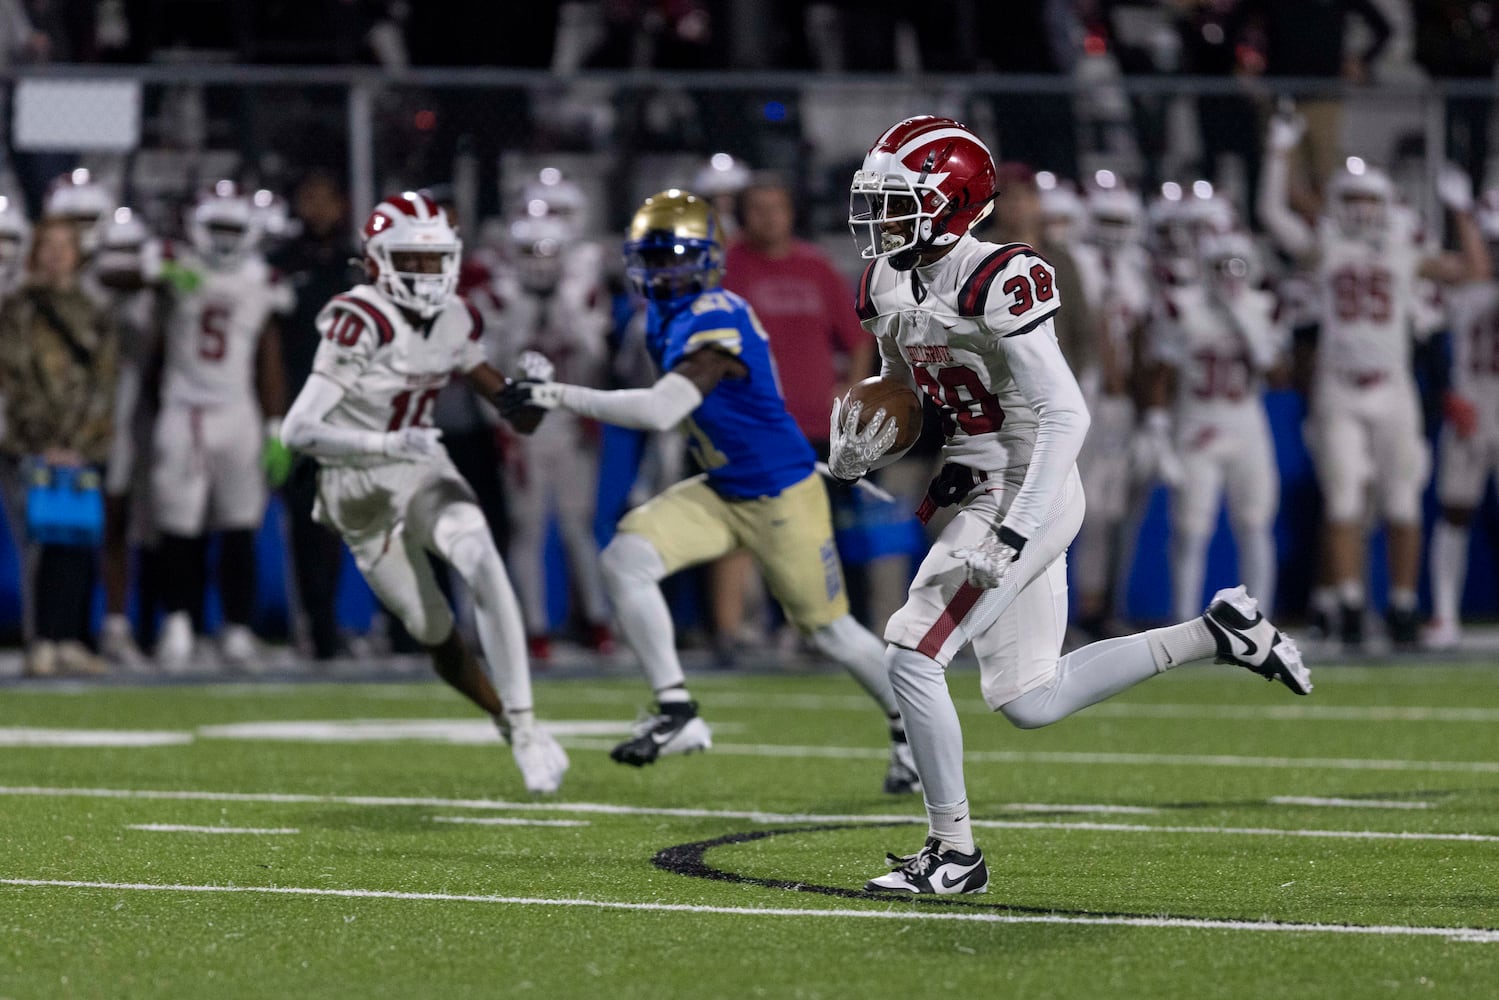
(631, 560)
(462, 537)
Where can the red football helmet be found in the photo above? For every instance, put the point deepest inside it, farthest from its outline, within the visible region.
(924, 183)
(401, 231)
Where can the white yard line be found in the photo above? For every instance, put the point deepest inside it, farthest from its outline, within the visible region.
(31, 736)
(610, 809)
(905, 913)
(1335, 803)
(1094, 757)
(509, 821)
(181, 828)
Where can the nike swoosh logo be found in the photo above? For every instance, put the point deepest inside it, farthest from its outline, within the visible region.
(948, 883)
(1250, 647)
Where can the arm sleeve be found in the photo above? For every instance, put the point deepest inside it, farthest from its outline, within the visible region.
(1043, 378)
(1286, 227)
(306, 429)
(658, 408)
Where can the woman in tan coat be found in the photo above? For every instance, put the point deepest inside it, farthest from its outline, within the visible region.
(57, 374)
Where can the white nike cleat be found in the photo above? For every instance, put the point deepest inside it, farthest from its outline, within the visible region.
(541, 759)
(901, 777)
(933, 871)
(174, 646)
(675, 728)
(1247, 638)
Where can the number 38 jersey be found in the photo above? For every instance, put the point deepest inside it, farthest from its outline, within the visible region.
(1368, 295)
(945, 321)
(390, 370)
(214, 325)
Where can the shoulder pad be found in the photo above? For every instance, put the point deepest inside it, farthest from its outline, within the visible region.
(370, 315)
(974, 293)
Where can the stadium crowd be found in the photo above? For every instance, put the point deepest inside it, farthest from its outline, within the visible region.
(144, 370)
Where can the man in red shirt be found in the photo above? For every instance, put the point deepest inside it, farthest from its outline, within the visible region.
(804, 304)
(807, 310)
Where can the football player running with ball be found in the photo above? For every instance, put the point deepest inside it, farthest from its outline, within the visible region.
(759, 489)
(387, 485)
(970, 324)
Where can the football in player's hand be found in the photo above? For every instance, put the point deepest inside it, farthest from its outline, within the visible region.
(898, 402)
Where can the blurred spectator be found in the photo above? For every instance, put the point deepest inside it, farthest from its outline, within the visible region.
(1308, 38)
(1038, 37)
(807, 310)
(1459, 40)
(316, 265)
(57, 374)
(1228, 124)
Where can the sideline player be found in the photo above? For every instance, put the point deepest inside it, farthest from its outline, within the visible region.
(1365, 427)
(761, 490)
(386, 484)
(1469, 446)
(970, 324)
(1214, 339)
(551, 300)
(222, 397)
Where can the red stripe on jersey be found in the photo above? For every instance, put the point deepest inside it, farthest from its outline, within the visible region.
(383, 328)
(864, 304)
(971, 296)
(478, 321)
(936, 637)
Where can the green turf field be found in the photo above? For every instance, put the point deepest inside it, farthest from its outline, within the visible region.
(1206, 835)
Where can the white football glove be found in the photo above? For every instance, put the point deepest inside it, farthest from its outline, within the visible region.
(987, 562)
(851, 451)
(536, 366)
(1455, 188)
(1285, 132)
(414, 444)
(1153, 455)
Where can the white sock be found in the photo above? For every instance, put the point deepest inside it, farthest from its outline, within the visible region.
(1189, 557)
(676, 695)
(1177, 644)
(1089, 675)
(847, 642)
(936, 739)
(1257, 564)
(1325, 600)
(1402, 599)
(1351, 593)
(632, 570)
(1449, 570)
(952, 825)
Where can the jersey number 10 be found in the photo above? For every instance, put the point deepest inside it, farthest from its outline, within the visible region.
(403, 414)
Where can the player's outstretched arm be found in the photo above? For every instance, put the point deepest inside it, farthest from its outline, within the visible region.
(1286, 227)
(306, 429)
(658, 408)
(1472, 261)
(490, 384)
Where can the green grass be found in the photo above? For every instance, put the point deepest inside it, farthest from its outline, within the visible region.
(1205, 749)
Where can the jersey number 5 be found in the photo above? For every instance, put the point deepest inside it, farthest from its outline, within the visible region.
(213, 332)
(1021, 288)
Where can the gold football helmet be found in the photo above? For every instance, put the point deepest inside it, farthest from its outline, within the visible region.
(674, 246)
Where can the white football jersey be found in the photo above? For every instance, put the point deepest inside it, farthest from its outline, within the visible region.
(1119, 287)
(945, 321)
(391, 370)
(1218, 376)
(1367, 293)
(1474, 311)
(570, 325)
(213, 326)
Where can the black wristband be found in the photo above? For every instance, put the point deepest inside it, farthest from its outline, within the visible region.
(1012, 538)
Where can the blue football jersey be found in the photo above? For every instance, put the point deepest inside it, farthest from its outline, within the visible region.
(741, 434)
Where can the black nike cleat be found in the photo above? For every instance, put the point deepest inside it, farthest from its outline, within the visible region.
(933, 871)
(901, 777)
(1248, 639)
(1404, 628)
(1351, 626)
(674, 728)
